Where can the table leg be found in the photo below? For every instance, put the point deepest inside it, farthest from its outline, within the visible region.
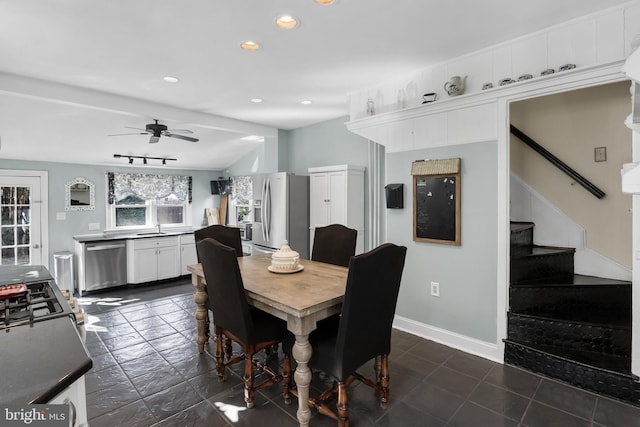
(302, 353)
(202, 314)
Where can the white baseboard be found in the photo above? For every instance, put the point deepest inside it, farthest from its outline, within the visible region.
(474, 346)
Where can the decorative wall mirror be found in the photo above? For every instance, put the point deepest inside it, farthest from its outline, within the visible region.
(79, 195)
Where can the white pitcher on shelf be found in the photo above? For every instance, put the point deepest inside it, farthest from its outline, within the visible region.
(455, 85)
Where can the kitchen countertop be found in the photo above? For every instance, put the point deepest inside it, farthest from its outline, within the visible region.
(98, 237)
(14, 274)
(40, 361)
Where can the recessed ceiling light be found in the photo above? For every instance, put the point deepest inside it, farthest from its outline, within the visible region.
(306, 102)
(325, 2)
(250, 46)
(287, 22)
(170, 79)
(256, 100)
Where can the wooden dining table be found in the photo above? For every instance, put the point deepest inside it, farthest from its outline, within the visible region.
(301, 299)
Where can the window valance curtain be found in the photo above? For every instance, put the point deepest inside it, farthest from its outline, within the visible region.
(147, 186)
(241, 188)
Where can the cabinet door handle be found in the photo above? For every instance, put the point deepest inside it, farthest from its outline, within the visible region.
(72, 410)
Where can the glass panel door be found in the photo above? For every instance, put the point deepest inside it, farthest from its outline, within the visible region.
(20, 216)
(15, 211)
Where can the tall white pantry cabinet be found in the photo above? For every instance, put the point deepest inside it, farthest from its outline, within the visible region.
(336, 196)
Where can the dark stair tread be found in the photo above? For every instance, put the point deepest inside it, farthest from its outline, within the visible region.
(536, 251)
(587, 319)
(571, 279)
(617, 364)
(517, 226)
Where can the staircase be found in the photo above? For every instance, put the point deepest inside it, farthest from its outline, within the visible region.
(570, 327)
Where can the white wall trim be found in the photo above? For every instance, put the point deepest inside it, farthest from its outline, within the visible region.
(483, 349)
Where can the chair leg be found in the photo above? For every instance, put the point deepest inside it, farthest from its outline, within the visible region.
(383, 381)
(249, 391)
(228, 350)
(219, 354)
(286, 379)
(342, 405)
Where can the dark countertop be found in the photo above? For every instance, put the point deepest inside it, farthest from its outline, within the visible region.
(100, 237)
(40, 361)
(13, 274)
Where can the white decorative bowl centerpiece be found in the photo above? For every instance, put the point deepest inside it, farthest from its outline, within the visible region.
(285, 260)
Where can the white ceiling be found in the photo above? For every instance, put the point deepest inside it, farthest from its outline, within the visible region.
(74, 71)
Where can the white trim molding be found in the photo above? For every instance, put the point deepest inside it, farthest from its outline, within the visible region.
(480, 348)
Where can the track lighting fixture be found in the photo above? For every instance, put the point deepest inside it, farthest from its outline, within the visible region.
(144, 158)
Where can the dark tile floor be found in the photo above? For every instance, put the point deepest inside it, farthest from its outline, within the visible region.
(147, 372)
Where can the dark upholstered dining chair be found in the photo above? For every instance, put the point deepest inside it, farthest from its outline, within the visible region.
(334, 244)
(229, 236)
(235, 320)
(342, 344)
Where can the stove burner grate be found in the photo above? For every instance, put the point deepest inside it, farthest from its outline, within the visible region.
(38, 303)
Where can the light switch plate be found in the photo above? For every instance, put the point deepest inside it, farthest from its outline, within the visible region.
(600, 154)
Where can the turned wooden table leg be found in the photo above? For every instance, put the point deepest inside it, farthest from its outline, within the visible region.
(202, 314)
(302, 353)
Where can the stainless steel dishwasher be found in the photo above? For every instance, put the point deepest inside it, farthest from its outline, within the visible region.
(105, 264)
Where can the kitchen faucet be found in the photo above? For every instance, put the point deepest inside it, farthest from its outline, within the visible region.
(158, 225)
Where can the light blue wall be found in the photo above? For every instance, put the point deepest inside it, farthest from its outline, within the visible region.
(467, 274)
(77, 222)
(262, 159)
(325, 144)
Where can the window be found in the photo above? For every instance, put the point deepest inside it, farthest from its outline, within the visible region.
(241, 198)
(130, 211)
(142, 200)
(170, 210)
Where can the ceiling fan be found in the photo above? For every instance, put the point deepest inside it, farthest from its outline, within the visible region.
(156, 130)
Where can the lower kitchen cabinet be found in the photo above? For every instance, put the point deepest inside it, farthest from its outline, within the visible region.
(188, 254)
(76, 397)
(152, 259)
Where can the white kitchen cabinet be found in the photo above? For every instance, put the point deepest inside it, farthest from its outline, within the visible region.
(336, 196)
(188, 254)
(75, 395)
(152, 259)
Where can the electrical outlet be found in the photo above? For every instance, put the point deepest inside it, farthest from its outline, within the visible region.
(435, 289)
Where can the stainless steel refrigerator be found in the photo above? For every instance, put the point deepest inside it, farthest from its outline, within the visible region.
(281, 212)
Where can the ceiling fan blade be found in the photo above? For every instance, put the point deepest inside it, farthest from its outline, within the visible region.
(154, 139)
(179, 131)
(129, 127)
(122, 134)
(186, 138)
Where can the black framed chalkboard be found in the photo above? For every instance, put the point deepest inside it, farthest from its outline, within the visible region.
(436, 205)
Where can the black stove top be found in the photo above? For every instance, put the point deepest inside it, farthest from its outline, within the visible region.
(41, 301)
